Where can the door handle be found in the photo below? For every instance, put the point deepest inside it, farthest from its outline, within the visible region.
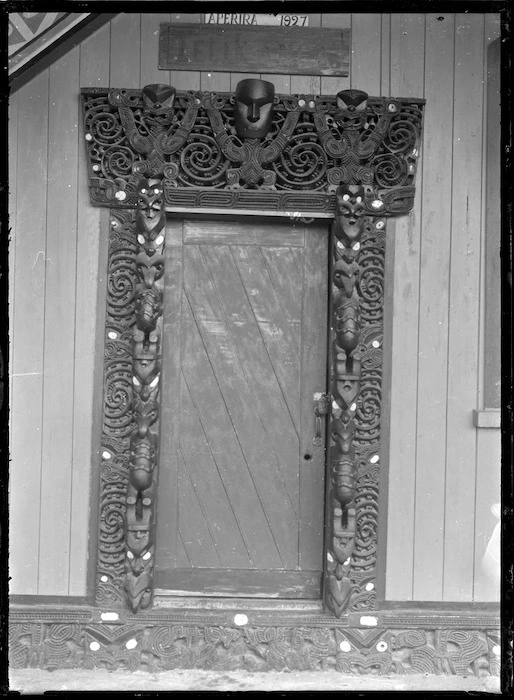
(321, 408)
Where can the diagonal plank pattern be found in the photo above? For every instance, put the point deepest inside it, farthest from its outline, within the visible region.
(239, 387)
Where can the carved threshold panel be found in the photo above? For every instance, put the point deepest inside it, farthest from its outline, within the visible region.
(348, 156)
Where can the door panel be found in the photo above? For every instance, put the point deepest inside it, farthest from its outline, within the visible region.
(240, 505)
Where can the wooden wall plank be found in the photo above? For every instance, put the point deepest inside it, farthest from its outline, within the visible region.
(366, 53)
(307, 84)
(168, 530)
(386, 455)
(282, 83)
(185, 79)
(97, 381)
(150, 72)
(210, 493)
(433, 309)
(314, 379)
(59, 345)
(252, 232)
(385, 72)
(167, 544)
(276, 332)
(488, 465)
(283, 265)
(407, 70)
(94, 72)
(223, 442)
(488, 494)
(28, 336)
(125, 63)
(215, 82)
(229, 361)
(492, 229)
(267, 398)
(194, 527)
(13, 169)
(464, 308)
(333, 85)
(236, 77)
(95, 58)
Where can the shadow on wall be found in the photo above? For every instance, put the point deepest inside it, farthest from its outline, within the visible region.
(491, 566)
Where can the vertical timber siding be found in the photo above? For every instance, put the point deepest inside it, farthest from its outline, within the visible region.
(443, 473)
(442, 479)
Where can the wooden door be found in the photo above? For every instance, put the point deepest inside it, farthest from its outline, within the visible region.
(241, 484)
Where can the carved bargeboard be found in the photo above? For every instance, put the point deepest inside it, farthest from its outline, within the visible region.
(157, 150)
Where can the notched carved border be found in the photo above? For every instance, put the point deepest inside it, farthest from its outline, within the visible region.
(134, 644)
(118, 420)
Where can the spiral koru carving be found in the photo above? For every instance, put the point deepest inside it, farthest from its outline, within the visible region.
(351, 520)
(117, 413)
(251, 155)
(158, 130)
(254, 143)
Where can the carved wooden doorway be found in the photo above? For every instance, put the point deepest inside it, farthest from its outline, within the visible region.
(157, 151)
(241, 486)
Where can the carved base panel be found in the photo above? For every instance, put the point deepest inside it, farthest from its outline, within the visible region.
(399, 643)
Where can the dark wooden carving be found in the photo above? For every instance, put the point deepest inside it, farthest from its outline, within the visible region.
(346, 376)
(118, 421)
(253, 114)
(146, 371)
(252, 155)
(422, 645)
(358, 244)
(314, 144)
(157, 149)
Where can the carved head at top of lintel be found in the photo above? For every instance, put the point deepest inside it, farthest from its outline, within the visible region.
(158, 98)
(351, 100)
(253, 110)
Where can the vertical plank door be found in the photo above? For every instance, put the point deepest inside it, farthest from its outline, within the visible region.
(240, 505)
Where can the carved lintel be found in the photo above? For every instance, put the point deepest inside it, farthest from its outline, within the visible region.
(254, 142)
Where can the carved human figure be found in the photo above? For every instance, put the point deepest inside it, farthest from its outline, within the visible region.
(351, 100)
(348, 229)
(251, 152)
(253, 108)
(152, 132)
(349, 214)
(158, 98)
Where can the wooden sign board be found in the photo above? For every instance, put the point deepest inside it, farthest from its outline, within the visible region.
(254, 49)
(252, 19)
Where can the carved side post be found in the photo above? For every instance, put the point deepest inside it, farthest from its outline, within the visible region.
(144, 443)
(346, 375)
